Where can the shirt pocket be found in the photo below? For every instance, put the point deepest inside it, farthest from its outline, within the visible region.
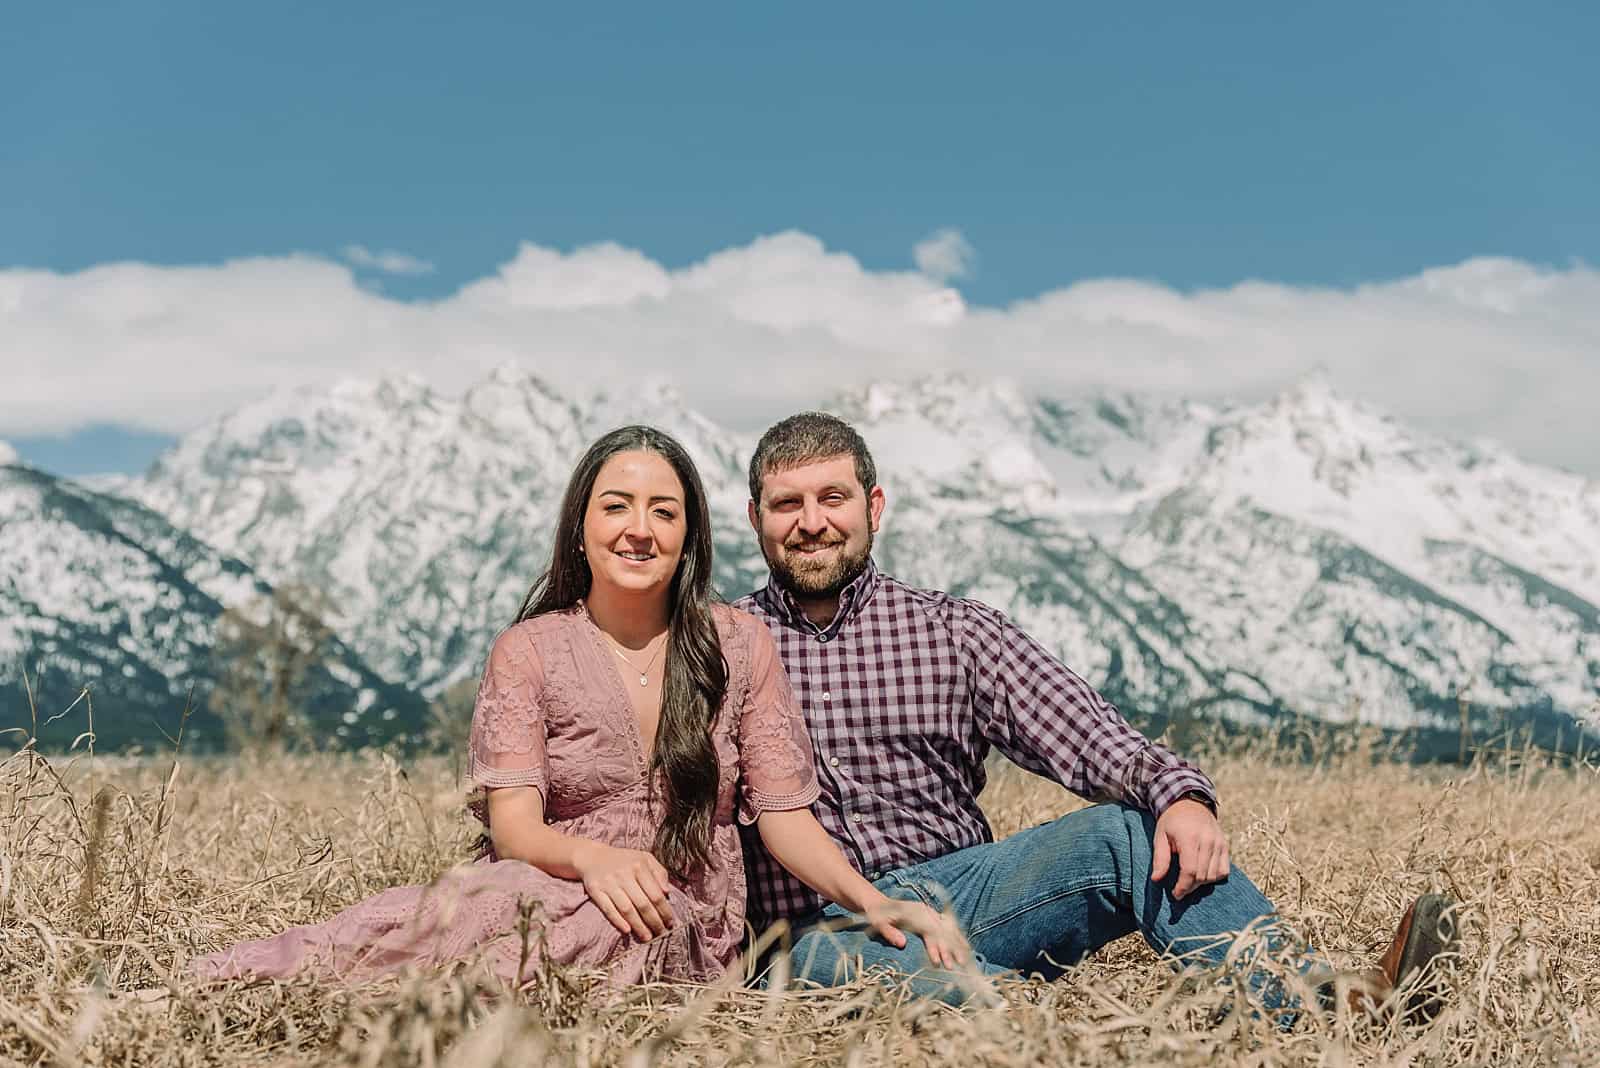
(913, 697)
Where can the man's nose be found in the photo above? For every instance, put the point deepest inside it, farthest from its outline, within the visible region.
(812, 518)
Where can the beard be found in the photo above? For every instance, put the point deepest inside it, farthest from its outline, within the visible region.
(811, 579)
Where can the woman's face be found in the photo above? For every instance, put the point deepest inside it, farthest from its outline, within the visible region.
(635, 525)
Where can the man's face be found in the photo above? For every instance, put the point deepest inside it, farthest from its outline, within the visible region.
(816, 524)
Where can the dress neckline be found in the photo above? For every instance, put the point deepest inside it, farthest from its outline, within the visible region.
(619, 690)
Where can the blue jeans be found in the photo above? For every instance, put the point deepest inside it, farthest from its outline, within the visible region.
(1042, 900)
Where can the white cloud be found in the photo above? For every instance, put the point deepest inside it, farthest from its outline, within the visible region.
(1489, 347)
(388, 261)
(944, 255)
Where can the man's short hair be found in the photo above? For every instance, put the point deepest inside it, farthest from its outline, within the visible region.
(808, 438)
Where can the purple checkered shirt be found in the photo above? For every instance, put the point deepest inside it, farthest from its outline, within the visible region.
(904, 692)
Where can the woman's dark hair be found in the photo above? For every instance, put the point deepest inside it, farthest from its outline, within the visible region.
(696, 675)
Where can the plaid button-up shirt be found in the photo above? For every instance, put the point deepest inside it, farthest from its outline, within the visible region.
(905, 691)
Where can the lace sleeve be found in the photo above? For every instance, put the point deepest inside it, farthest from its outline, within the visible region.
(506, 747)
(776, 769)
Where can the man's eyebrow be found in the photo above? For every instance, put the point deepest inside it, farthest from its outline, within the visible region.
(832, 487)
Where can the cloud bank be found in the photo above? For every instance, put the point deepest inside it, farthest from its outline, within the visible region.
(387, 261)
(1488, 347)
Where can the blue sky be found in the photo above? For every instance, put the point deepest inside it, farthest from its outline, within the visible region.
(1191, 145)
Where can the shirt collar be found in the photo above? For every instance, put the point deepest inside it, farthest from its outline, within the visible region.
(851, 600)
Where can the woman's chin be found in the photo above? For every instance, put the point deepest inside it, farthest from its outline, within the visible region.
(633, 582)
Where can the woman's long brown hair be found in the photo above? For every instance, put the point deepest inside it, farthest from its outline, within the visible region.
(696, 676)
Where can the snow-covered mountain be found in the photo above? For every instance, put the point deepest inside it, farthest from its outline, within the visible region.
(1305, 555)
(99, 591)
(423, 518)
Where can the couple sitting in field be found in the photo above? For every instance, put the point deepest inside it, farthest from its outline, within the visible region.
(645, 750)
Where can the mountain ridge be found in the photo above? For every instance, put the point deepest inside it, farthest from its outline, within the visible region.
(1301, 555)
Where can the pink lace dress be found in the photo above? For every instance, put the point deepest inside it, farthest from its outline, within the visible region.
(552, 713)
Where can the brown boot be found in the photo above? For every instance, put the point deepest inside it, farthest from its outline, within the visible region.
(1427, 929)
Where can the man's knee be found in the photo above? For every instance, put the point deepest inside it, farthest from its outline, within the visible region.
(1112, 828)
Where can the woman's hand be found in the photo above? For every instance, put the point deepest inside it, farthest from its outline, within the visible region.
(628, 885)
(947, 946)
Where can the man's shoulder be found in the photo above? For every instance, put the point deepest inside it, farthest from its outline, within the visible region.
(941, 605)
(754, 602)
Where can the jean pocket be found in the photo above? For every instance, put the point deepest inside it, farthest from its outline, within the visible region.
(912, 885)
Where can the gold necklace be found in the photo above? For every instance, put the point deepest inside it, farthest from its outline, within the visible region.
(644, 676)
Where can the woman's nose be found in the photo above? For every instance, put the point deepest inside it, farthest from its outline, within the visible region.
(638, 525)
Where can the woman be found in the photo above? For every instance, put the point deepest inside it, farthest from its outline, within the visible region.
(623, 723)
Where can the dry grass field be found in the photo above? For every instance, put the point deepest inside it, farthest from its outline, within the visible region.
(114, 872)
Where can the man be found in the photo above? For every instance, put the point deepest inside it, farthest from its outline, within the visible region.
(905, 691)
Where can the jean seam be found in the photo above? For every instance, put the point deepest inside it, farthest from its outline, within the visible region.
(912, 885)
(1076, 888)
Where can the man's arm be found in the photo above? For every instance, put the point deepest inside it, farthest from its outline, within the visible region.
(1047, 719)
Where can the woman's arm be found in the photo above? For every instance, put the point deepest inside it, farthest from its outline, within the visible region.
(628, 885)
(798, 842)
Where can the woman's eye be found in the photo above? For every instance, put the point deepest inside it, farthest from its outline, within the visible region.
(665, 514)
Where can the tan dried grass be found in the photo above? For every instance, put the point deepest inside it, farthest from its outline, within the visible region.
(113, 872)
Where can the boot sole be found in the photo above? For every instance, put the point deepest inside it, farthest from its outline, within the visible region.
(1432, 933)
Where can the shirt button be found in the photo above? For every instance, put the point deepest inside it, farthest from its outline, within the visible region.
(822, 637)
(855, 817)
(874, 875)
(833, 762)
(826, 696)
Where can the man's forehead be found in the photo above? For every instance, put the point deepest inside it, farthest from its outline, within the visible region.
(811, 474)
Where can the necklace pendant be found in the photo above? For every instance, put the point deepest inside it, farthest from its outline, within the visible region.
(644, 680)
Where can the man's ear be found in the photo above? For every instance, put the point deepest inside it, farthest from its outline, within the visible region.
(875, 503)
(755, 516)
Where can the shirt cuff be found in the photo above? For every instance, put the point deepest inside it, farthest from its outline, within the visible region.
(1175, 783)
(498, 778)
(752, 803)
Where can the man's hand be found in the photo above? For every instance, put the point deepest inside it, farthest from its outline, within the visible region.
(1189, 829)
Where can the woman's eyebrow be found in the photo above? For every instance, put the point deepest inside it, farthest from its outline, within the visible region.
(625, 495)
